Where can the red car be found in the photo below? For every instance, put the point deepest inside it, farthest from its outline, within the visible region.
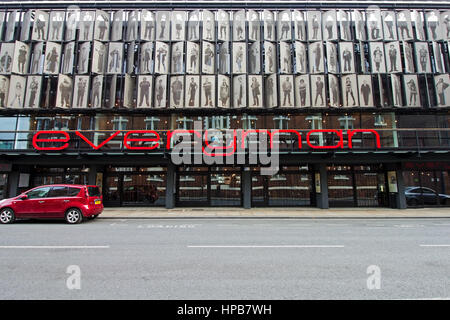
(71, 202)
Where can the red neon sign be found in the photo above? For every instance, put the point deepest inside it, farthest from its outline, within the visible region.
(207, 148)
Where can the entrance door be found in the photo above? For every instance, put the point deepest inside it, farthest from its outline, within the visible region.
(143, 189)
(340, 189)
(225, 189)
(259, 191)
(370, 189)
(209, 188)
(284, 189)
(112, 191)
(357, 186)
(135, 189)
(192, 189)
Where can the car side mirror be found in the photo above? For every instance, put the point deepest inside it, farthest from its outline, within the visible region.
(23, 197)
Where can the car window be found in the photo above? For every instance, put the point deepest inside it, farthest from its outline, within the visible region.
(57, 192)
(414, 190)
(426, 190)
(73, 192)
(38, 193)
(94, 191)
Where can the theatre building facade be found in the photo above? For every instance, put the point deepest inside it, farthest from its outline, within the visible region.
(351, 102)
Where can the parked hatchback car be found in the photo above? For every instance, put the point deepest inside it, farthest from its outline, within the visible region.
(425, 196)
(58, 201)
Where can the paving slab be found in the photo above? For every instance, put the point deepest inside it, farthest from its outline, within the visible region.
(282, 212)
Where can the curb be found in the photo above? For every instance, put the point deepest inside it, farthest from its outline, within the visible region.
(271, 217)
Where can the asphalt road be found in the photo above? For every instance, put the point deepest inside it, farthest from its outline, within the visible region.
(226, 259)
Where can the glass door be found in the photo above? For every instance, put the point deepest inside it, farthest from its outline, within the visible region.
(367, 194)
(225, 189)
(290, 189)
(143, 189)
(259, 190)
(111, 191)
(340, 189)
(192, 189)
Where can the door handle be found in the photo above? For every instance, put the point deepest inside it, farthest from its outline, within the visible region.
(41, 201)
(65, 200)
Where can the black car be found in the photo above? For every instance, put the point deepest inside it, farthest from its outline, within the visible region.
(425, 196)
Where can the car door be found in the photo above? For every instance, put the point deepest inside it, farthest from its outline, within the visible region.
(429, 196)
(33, 205)
(55, 202)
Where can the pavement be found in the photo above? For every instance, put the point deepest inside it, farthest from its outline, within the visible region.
(284, 212)
(226, 259)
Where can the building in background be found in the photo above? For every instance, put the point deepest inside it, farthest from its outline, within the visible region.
(105, 67)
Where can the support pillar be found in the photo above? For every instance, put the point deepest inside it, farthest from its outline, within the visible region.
(322, 196)
(14, 178)
(13, 183)
(170, 186)
(92, 176)
(247, 188)
(400, 198)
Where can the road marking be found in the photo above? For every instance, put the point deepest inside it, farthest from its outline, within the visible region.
(408, 225)
(435, 245)
(438, 298)
(272, 246)
(54, 247)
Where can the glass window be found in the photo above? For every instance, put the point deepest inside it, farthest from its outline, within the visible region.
(72, 192)
(187, 123)
(94, 192)
(252, 122)
(39, 180)
(413, 190)
(196, 169)
(38, 193)
(153, 169)
(226, 169)
(289, 189)
(417, 121)
(292, 168)
(121, 169)
(48, 170)
(426, 190)
(225, 189)
(77, 169)
(57, 192)
(150, 123)
(7, 138)
(22, 139)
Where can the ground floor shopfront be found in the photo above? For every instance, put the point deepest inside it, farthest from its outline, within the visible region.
(394, 185)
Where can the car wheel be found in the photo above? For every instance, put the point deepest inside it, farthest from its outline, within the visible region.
(74, 216)
(7, 216)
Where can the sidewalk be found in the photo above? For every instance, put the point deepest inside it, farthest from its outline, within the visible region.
(274, 213)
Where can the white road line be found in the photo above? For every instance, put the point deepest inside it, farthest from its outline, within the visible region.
(54, 247)
(438, 298)
(272, 246)
(435, 245)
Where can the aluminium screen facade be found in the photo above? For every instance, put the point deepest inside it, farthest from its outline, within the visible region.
(287, 65)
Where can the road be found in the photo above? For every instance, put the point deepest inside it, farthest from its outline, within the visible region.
(226, 259)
